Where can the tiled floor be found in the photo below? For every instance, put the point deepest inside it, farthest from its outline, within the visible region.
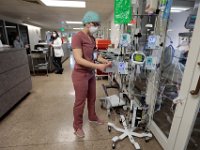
(43, 121)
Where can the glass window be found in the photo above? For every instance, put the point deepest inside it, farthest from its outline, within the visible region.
(24, 34)
(12, 32)
(194, 142)
(172, 69)
(2, 33)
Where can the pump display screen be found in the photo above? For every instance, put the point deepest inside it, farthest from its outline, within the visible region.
(125, 39)
(193, 19)
(138, 57)
(151, 39)
(121, 66)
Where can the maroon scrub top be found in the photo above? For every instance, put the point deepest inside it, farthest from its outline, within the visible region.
(87, 45)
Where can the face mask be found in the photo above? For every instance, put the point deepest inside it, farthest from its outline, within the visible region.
(54, 35)
(93, 29)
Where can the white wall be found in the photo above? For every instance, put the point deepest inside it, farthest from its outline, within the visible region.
(105, 26)
(34, 35)
(115, 32)
(43, 34)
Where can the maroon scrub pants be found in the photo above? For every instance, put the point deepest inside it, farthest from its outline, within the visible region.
(85, 88)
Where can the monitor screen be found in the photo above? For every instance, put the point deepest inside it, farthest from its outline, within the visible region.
(190, 22)
(138, 57)
(152, 39)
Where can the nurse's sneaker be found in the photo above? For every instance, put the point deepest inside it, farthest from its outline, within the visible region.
(98, 121)
(79, 133)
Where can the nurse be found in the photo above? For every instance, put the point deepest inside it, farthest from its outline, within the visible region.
(58, 52)
(83, 75)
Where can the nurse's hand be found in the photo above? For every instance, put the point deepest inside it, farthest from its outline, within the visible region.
(102, 67)
(109, 63)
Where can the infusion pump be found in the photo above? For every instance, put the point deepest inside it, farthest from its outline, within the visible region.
(153, 42)
(119, 67)
(125, 39)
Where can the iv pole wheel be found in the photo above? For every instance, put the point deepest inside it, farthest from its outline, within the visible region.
(102, 105)
(147, 139)
(109, 128)
(113, 146)
(120, 120)
(109, 115)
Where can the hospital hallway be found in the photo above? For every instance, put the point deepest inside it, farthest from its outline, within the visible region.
(43, 120)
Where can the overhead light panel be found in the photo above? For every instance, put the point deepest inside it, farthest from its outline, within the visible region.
(11, 27)
(74, 22)
(169, 30)
(62, 3)
(179, 9)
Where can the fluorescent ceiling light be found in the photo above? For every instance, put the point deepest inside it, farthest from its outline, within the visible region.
(77, 28)
(169, 30)
(62, 3)
(176, 11)
(74, 22)
(11, 27)
(179, 9)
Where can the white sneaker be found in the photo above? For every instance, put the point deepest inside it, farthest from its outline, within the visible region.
(99, 121)
(79, 133)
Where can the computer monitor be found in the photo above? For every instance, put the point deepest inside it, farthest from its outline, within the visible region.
(189, 24)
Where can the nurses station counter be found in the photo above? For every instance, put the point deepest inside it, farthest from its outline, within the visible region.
(15, 79)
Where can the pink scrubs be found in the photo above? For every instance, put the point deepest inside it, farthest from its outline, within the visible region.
(84, 81)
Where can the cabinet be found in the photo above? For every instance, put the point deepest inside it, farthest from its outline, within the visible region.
(15, 79)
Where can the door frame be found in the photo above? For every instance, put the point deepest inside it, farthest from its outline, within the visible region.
(193, 102)
(179, 135)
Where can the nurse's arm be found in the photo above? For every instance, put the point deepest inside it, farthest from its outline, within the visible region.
(78, 56)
